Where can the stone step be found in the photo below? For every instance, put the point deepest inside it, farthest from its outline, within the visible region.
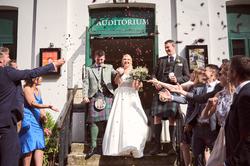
(78, 147)
(77, 159)
(81, 147)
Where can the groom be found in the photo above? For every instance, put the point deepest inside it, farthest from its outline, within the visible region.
(98, 93)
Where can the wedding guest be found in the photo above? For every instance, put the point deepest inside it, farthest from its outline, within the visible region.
(220, 105)
(31, 135)
(171, 69)
(204, 131)
(184, 86)
(196, 80)
(127, 130)
(10, 107)
(19, 93)
(187, 85)
(221, 102)
(13, 63)
(98, 93)
(186, 139)
(237, 126)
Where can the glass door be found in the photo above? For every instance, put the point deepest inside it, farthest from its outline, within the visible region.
(142, 51)
(238, 46)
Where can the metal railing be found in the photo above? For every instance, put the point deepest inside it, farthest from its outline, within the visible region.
(64, 128)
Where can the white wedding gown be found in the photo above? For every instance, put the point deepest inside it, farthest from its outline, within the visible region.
(127, 130)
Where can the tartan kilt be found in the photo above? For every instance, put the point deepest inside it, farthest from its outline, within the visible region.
(95, 115)
(163, 109)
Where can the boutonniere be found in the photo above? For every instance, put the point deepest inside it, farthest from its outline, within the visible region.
(178, 61)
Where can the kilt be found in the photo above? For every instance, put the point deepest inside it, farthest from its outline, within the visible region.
(163, 109)
(95, 115)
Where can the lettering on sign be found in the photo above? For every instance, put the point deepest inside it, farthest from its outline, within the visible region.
(123, 22)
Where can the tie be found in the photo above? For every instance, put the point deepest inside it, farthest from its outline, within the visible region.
(170, 58)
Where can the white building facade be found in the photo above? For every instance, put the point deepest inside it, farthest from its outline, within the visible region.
(67, 24)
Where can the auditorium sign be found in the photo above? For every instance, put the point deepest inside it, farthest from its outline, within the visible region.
(122, 22)
(123, 25)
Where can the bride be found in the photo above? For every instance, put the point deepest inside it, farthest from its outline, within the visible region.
(126, 132)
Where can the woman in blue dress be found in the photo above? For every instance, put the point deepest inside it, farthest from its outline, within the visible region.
(32, 133)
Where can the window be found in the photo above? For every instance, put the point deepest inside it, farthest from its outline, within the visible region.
(8, 30)
(238, 47)
(238, 17)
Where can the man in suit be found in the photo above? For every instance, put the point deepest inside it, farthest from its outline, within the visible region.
(172, 69)
(237, 127)
(204, 131)
(97, 86)
(11, 107)
(20, 98)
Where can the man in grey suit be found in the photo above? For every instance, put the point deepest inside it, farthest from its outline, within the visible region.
(98, 93)
(172, 69)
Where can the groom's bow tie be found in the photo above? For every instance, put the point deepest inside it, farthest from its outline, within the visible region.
(97, 66)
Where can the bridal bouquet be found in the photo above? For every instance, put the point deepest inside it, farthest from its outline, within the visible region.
(139, 73)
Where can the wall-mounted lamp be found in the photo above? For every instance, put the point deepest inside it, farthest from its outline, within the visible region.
(200, 40)
(120, 1)
(51, 45)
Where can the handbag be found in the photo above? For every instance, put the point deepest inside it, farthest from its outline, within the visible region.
(218, 154)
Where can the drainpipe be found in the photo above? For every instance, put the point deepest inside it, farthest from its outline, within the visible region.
(34, 60)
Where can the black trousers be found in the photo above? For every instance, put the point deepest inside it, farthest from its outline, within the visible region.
(9, 146)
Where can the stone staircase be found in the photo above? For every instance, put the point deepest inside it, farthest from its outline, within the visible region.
(76, 158)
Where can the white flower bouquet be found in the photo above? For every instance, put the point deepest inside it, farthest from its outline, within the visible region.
(139, 73)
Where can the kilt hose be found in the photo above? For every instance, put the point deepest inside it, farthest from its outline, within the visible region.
(95, 115)
(163, 109)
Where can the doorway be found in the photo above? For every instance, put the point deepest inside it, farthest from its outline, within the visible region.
(142, 51)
